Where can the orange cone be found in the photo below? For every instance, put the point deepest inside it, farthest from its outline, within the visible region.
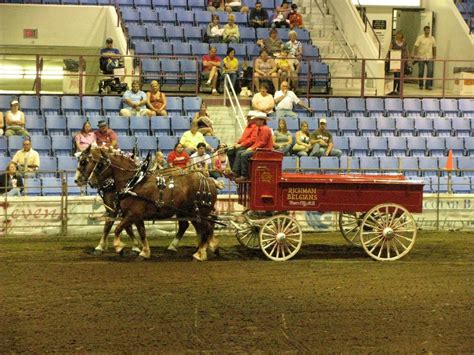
(449, 162)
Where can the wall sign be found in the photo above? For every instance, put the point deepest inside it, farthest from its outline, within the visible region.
(379, 24)
(30, 33)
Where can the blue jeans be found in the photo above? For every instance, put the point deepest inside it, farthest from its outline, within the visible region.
(319, 151)
(14, 192)
(241, 163)
(283, 113)
(233, 79)
(429, 74)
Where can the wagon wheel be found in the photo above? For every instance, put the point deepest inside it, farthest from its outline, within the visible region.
(248, 235)
(281, 238)
(349, 224)
(388, 232)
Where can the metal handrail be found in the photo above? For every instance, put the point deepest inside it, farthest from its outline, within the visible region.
(366, 22)
(238, 113)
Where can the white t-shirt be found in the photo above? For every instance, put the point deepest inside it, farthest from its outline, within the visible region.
(201, 161)
(425, 46)
(288, 101)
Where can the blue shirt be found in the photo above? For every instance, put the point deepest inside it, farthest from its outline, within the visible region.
(134, 97)
(109, 50)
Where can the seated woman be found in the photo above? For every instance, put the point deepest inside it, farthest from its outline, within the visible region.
(231, 32)
(15, 121)
(214, 30)
(231, 66)
(203, 121)
(85, 137)
(220, 162)
(282, 139)
(11, 183)
(302, 145)
(295, 48)
(159, 163)
(156, 100)
(178, 158)
(265, 68)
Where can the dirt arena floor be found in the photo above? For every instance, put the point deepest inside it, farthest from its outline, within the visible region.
(55, 296)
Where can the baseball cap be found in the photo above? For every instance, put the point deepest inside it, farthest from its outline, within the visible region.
(101, 123)
(14, 102)
(322, 120)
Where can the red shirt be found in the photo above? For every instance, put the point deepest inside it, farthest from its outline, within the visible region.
(296, 20)
(207, 58)
(178, 160)
(106, 138)
(249, 135)
(264, 139)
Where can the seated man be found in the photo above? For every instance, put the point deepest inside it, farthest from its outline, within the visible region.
(210, 69)
(262, 101)
(27, 159)
(190, 139)
(105, 137)
(285, 99)
(321, 140)
(258, 16)
(264, 141)
(247, 139)
(109, 57)
(134, 102)
(200, 160)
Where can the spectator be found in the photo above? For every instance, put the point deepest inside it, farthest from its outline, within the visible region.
(302, 145)
(85, 137)
(109, 57)
(265, 68)
(15, 121)
(272, 44)
(284, 8)
(282, 139)
(27, 160)
(398, 44)
(178, 158)
(264, 141)
(425, 53)
(295, 18)
(258, 16)
(262, 101)
(231, 65)
(236, 6)
(134, 102)
(11, 182)
(284, 67)
(296, 52)
(220, 162)
(199, 159)
(245, 77)
(159, 163)
(280, 16)
(322, 143)
(105, 137)
(156, 100)
(214, 5)
(231, 32)
(2, 123)
(210, 69)
(285, 99)
(190, 139)
(247, 139)
(203, 121)
(214, 30)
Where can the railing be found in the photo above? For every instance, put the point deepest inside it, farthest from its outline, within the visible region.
(368, 28)
(229, 92)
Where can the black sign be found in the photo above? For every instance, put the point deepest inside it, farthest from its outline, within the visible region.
(379, 24)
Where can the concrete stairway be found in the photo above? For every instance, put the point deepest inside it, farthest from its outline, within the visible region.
(225, 125)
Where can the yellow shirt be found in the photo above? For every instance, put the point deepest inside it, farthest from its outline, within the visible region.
(190, 140)
(30, 159)
(283, 64)
(230, 65)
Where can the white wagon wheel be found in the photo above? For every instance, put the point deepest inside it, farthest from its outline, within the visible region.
(248, 235)
(388, 232)
(281, 238)
(349, 225)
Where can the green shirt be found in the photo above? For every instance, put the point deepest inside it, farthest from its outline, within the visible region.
(326, 136)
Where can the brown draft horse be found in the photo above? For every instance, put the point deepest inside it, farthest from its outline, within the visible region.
(188, 196)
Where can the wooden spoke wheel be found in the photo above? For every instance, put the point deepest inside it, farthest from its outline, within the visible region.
(248, 235)
(388, 232)
(349, 225)
(280, 238)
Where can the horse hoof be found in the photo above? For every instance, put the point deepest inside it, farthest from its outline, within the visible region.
(198, 257)
(98, 252)
(172, 248)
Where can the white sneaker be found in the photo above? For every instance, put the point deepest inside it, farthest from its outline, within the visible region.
(243, 92)
(249, 93)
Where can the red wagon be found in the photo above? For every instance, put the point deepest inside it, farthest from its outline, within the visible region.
(374, 210)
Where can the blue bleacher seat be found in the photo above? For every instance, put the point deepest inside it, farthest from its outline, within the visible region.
(247, 35)
(160, 126)
(111, 104)
(310, 51)
(461, 184)
(337, 106)
(465, 163)
(329, 165)
(192, 35)
(3, 144)
(142, 3)
(416, 146)
(359, 146)
(424, 126)
(241, 19)
(409, 166)
(144, 48)
(304, 76)
(290, 164)
(412, 107)
(130, 17)
(62, 145)
(394, 107)
(4, 161)
(378, 146)
(180, 124)
(156, 32)
(456, 144)
(319, 106)
(148, 16)
(426, 181)
(29, 104)
(389, 164)
(347, 126)
(48, 167)
(15, 143)
(119, 124)
(74, 123)
(68, 164)
(151, 69)
(199, 49)
(35, 124)
(213, 141)
(197, 4)
(147, 144)
(405, 126)
(174, 33)
(179, 5)
(174, 106)
(442, 126)
(171, 73)
(356, 107)
(5, 102)
(320, 77)
(341, 143)
(91, 105)
(42, 144)
(283, 34)
(191, 105)
(431, 107)
(386, 126)
(160, 4)
(428, 166)
(185, 17)
(303, 35)
(139, 126)
(50, 105)
(439, 184)
(124, 3)
(51, 186)
(397, 146)
(469, 145)
(126, 143)
(309, 164)
(221, 49)
(71, 105)
(375, 107)
(462, 126)
(466, 107)
(435, 146)
(32, 186)
(167, 17)
(202, 17)
(167, 143)
(367, 126)
(449, 107)
(369, 164)
(189, 74)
